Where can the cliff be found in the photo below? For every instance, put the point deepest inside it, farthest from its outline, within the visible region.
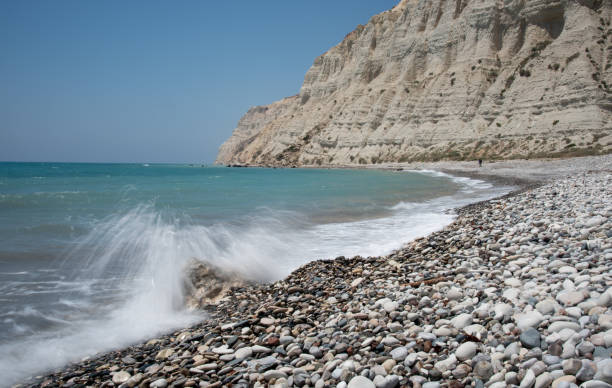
(447, 79)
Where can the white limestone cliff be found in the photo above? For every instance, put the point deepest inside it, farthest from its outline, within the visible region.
(446, 79)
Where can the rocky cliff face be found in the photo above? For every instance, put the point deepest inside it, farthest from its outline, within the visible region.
(447, 79)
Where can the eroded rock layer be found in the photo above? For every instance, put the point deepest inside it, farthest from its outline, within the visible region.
(457, 79)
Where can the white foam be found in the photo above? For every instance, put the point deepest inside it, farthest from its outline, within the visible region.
(469, 184)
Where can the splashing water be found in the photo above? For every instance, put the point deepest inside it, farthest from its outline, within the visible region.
(123, 280)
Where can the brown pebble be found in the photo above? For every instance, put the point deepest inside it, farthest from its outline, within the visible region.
(555, 349)
(272, 341)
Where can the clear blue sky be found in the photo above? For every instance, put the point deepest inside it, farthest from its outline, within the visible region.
(152, 81)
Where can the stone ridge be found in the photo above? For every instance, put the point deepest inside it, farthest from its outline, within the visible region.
(441, 79)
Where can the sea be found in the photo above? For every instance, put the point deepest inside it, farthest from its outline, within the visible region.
(93, 256)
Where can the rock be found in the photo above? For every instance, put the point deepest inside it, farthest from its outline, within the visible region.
(315, 351)
(512, 282)
(546, 306)
(257, 349)
(587, 371)
(601, 352)
(585, 347)
(483, 370)
(379, 370)
(529, 380)
(391, 381)
(390, 306)
(164, 354)
(563, 379)
(605, 321)
(159, 383)
(446, 364)
(361, 382)
(431, 384)
(604, 371)
(594, 221)
(512, 349)
(502, 310)
(134, 380)
(571, 366)
(224, 349)
(399, 354)
(530, 338)
(529, 319)
(286, 339)
(461, 371)
(461, 321)
(567, 269)
(388, 365)
(544, 380)
(560, 325)
(208, 366)
(511, 378)
(121, 377)
(242, 353)
(570, 298)
(454, 294)
(378, 381)
(274, 374)
(466, 351)
(266, 321)
(538, 368)
(595, 384)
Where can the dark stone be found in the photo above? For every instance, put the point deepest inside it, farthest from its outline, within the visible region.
(232, 340)
(555, 349)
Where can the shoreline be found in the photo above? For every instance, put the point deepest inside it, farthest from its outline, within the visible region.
(238, 322)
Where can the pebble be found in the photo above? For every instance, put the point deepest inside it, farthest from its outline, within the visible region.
(530, 338)
(529, 319)
(243, 353)
(399, 354)
(604, 371)
(121, 377)
(570, 298)
(159, 383)
(483, 370)
(546, 307)
(528, 380)
(361, 382)
(543, 380)
(466, 351)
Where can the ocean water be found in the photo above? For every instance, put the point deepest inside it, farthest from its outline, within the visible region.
(92, 256)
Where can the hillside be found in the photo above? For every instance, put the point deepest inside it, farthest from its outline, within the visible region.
(441, 79)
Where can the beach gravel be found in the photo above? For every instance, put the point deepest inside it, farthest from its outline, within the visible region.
(516, 292)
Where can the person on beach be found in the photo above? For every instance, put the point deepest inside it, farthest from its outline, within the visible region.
(479, 162)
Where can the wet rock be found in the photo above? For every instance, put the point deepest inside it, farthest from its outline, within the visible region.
(530, 338)
(121, 377)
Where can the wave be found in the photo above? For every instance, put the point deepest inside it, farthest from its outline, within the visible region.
(469, 185)
(127, 276)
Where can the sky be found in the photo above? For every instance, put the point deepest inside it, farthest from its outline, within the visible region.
(153, 81)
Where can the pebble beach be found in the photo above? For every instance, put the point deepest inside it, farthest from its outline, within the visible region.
(516, 292)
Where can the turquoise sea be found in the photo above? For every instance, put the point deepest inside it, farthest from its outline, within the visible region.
(92, 256)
